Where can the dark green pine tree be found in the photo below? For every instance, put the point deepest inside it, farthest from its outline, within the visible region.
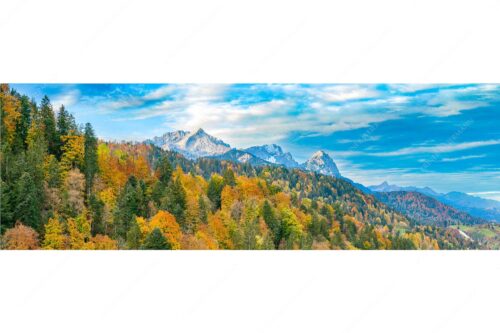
(127, 208)
(65, 125)
(156, 241)
(90, 164)
(65, 122)
(5, 207)
(175, 202)
(273, 223)
(202, 208)
(214, 191)
(28, 205)
(229, 178)
(164, 171)
(134, 237)
(23, 125)
(131, 202)
(49, 123)
(96, 207)
(27, 176)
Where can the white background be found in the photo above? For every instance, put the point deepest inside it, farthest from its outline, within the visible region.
(254, 41)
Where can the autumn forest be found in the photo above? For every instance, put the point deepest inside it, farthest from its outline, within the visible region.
(63, 188)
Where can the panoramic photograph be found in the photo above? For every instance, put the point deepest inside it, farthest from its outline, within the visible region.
(250, 166)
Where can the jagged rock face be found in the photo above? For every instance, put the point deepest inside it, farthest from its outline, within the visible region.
(322, 163)
(203, 144)
(273, 154)
(241, 156)
(192, 145)
(169, 140)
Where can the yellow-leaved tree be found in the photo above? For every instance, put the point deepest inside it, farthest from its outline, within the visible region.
(54, 235)
(167, 224)
(11, 114)
(73, 152)
(79, 232)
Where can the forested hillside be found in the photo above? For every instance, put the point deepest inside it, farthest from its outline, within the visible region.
(62, 188)
(423, 209)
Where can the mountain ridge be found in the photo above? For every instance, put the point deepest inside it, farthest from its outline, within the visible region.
(479, 207)
(201, 144)
(424, 209)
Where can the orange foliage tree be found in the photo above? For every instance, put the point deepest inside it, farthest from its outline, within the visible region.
(21, 237)
(166, 222)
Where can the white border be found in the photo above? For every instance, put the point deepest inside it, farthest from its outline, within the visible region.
(256, 41)
(245, 291)
(225, 41)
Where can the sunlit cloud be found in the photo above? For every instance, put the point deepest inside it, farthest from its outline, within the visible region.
(68, 99)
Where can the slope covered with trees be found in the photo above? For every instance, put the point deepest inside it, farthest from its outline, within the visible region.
(423, 209)
(62, 188)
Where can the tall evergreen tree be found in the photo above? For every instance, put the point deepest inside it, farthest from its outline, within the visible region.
(175, 202)
(134, 237)
(90, 164)
(96, 206)
(65, 122)
(164, 170)
(273, 223)
(229, 178)
(23, 125)
(202, 208)
(156, 241)
(65, 125)
(49, 123)
(131, 202)
(28, 205)
(214, 190)
(5, 207)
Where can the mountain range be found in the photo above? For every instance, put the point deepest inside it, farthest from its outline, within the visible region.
(424, 209)
(201, 144)
(482, 208)
(422, 204)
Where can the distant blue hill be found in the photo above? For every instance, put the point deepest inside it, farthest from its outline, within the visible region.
(479, 207)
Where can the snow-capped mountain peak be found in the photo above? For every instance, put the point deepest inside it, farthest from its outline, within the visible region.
(322, 163)
(168, 140)
(203, 144)
(193, 145)
(273, 149)
(274, 154)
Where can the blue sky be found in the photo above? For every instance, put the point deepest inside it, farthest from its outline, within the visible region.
(443, 136)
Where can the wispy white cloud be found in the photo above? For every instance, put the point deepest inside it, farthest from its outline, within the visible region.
(341, 93)
(461, 158)
(493, 195)
(368, 138)
(436, 149)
